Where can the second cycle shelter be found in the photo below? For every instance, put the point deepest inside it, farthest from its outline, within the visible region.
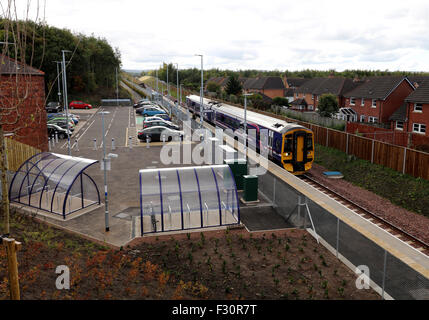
(55, 183)
(174, 199)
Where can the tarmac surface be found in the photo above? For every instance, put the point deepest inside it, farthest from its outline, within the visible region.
(123, 178)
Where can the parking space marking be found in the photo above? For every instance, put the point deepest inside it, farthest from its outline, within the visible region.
(87, 121)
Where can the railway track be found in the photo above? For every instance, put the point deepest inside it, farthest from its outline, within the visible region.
(382, 223)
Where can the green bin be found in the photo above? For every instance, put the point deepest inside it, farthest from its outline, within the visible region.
(239, 169)
(250, 188)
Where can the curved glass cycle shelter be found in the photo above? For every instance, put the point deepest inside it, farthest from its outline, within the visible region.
(55, 183)
(173, 199)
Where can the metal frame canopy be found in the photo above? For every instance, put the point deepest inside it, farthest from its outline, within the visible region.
(55, 183)
(173, 199)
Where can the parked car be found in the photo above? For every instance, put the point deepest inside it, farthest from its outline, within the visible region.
(160, 122)
(62, 122)
(79, 105)
(144, 103)
(75, 118)
(149, 111)
(54, 129)
(162, 116)
(156, 133)
(53, 107)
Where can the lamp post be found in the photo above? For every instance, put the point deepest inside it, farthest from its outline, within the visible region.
(65, 99)
(201, 91)
(157, 80)
(177, 86)
(117, 87)
(58, 80)
(245, 122)
(181, 93)
(168, 88)
(106, 201)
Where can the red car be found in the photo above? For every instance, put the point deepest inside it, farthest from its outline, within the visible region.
(79, 105)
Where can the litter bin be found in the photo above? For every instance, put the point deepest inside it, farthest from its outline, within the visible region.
(239, 169)
(250, 183)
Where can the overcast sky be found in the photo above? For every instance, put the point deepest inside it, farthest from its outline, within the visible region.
(266, 35)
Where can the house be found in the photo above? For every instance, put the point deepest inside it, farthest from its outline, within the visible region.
(299, 105)
(413, 115)
(378, 98)
(312, 89)
(22, 103)
(269, 86)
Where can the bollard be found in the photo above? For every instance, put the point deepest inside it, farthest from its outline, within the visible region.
(53, 141)
(95, 144)
(163, 139)
(113, 143)
(77, 144)
(49, 144)
(56, 137)
(130, 142)
(12, 247)
(147, 141)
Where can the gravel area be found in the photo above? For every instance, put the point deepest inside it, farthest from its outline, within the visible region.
(413, 223)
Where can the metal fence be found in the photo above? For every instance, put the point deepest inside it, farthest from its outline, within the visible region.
(391, 275)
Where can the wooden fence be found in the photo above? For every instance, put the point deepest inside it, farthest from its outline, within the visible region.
(17, 153)
(402, 159)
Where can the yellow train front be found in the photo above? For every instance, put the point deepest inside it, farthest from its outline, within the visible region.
(298, 150)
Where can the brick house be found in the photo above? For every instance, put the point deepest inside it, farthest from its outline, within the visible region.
(413, 115)
(22, 103)
(378, 98)
(312, 89)
(271, 87)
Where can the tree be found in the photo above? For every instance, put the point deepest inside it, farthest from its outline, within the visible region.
(280, 101)
(213, 87)
(233, 86)
(328, 105)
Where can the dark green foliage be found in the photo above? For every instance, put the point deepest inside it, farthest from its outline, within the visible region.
(93, 61)
(328, 105)
(233, 86)
(280, 101)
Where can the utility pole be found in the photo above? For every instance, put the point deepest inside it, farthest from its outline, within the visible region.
(66, 108)
(58, 80)
(117, 87)
(201, 91)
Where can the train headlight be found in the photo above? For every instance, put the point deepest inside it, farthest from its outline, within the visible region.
(287, 154)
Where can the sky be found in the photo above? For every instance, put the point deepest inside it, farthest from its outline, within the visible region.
(265, 35)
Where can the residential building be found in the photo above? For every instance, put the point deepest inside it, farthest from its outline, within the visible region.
(413, 115)
(22, 103)
(269, 86)
(378, 98)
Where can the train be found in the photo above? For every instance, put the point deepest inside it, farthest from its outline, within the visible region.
(289, 144)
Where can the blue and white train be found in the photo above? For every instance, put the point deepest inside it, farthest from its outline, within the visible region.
(288, 143)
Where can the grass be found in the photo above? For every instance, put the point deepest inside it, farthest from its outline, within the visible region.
(401, 189)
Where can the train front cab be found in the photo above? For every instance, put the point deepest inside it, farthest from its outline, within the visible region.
(298, 151)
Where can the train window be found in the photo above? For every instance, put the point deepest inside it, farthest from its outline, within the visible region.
(288, 143)
(278, 145)
(309, 142)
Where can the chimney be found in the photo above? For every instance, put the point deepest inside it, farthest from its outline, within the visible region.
(285, 81)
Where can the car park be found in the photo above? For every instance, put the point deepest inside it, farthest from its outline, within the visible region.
(144, 104)
(53, 130)
(53, 107)
(156, 134)
(161, 122)
(79, 105)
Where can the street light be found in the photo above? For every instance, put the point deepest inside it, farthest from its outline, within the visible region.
(117, 87)
(177, 86)
(58, 79)
(65, 99)
(106, 201)
(201, 91)
(168, 88)
(245, 121)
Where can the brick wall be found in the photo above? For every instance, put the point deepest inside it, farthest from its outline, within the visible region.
(417, 117)
(22, 103)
